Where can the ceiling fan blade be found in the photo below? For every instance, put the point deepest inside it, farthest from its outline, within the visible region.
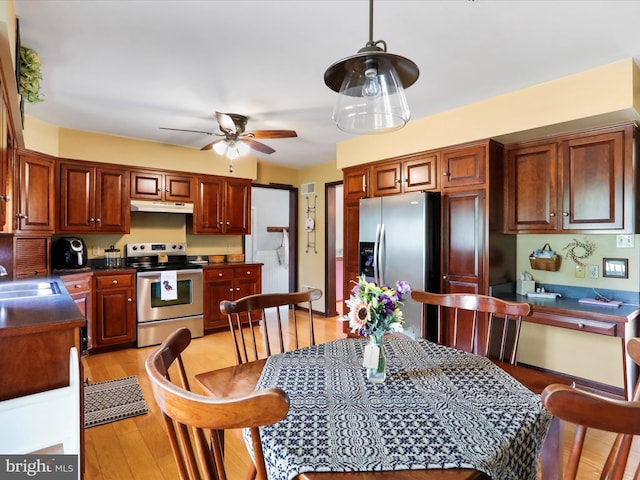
(272, 134)
(209, 146)
(260, 147)
(192, 131)
(226, 122)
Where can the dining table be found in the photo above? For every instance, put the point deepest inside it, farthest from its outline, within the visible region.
(440, 410)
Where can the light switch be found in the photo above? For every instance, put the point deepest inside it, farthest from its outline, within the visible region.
(579, 271)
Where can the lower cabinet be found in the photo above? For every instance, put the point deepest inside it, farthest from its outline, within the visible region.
(79, 287)
(227, 282)
(113, 322)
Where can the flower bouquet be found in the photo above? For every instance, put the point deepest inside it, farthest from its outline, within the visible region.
(375, 311)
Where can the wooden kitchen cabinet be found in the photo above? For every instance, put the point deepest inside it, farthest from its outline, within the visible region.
(160, 186)
(580, 182)
(414, 173)
(92, 198)
(6, 159)
(227, 282)
(464, 166)
(34, 192)
(355, 183)
(114, 310)
(31, 256)
(79, 287)
(223, 206)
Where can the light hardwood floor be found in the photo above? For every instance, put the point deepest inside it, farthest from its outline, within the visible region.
(137, 448)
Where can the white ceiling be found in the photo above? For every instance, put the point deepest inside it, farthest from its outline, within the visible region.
(129, 67)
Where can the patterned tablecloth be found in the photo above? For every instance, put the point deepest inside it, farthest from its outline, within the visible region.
(438, 408)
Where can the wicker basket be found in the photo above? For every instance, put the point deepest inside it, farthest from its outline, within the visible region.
(549, 264)
(235, 258)
(216, 258)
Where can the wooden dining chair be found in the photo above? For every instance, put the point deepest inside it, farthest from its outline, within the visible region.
(195, 423)
(452, 307)
(588, 410)
(266, 311)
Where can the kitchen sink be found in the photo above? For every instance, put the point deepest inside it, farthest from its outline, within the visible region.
(19, 290)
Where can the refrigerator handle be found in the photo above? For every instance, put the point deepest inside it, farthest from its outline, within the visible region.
(376, 248)
(379, 259)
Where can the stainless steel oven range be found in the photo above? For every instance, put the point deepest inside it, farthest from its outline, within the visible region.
(169, 291)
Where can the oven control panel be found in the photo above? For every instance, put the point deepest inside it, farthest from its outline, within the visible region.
(146, 249)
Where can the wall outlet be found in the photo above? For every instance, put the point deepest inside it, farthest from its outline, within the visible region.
(579, 271)
(624, 241)
(592, 271)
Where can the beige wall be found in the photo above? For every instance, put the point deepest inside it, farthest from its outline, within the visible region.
(599, 96)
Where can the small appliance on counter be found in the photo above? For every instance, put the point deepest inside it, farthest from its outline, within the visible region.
(112, 257)
(68, 253)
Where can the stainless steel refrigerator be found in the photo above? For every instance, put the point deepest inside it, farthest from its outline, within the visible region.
(400, 240)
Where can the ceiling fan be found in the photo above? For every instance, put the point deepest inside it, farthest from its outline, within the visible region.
(236, 141)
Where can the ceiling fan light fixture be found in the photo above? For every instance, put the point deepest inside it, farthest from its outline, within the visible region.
(220, 147)
(370, 86)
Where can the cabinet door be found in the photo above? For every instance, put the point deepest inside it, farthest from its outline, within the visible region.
(387, 179)
(6, 149)
(356, 183)
(146, 185)
(246, 281)
(178, 188)
(76, 205)
(208, 208)
(465, 166)
(36, 194)
(463, 253)
(31, 257)
(593, 182)
(218, 285)
(237, 207)
(531, 196)
(421, 173)
(111, 201)
(114, 309)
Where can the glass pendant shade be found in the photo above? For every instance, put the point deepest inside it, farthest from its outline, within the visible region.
(371, 98)
(220, 148)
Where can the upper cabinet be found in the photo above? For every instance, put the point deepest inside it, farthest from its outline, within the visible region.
(34, 193)
(464, 166)
(408, 174)
(223, 206)
(582, 182)
(153, 185)
(93, 198)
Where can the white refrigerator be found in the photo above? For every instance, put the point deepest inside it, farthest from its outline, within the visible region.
(400, 240)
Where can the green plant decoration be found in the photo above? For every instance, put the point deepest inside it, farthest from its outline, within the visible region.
(30, 75)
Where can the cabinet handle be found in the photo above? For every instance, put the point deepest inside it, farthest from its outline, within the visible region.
(166, 190)
(231, 289)
(565, 214)
(248, 273)
(115, 282)
(581, 325)
(129, 299)
(444, 277)
(92, 219)
(228, 223)
(445, 174)
(220, 274)
(552, 214)
(398, 181)
(21, 215)
(98, 220)
(237, 289)
(4, 198)
(77, 286)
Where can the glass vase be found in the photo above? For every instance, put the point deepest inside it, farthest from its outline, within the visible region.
(379, 373)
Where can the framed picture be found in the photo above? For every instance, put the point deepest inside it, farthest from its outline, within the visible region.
(615, 267)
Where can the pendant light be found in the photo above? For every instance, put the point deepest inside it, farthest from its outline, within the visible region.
(232, 149)
(371, 87)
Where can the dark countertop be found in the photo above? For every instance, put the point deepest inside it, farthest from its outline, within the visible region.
(20, 316)
(571, 307)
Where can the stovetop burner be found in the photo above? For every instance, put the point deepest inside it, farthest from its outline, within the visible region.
(158, 256)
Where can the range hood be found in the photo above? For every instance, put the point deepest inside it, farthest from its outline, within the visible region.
(162, 207)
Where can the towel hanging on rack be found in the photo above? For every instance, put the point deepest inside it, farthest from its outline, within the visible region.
(283, 250)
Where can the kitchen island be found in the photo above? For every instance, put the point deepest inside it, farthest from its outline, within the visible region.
(36, 334)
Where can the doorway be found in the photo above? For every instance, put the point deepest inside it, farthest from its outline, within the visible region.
(273, 238)
(334, 241)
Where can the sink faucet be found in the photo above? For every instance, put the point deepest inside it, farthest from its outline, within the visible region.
(3, 271)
